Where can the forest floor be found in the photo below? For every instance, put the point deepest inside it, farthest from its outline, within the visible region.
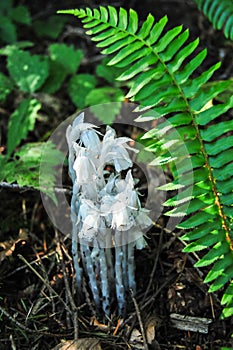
(39, 306)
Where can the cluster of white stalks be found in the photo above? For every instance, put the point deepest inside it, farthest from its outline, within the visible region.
(107, 217)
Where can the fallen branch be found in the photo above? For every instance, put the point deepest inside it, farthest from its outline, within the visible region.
(18, 188)
(188, 323)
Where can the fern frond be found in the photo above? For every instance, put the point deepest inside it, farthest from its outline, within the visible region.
(220, 14)
(162, 68)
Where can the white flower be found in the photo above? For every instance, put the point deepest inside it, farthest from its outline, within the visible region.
(121, 217)
(140, 243)
(105, 208)
(104, 200)
(88, 219)
(114, 152)
(84, 166)
(91, 141)
(143, 220)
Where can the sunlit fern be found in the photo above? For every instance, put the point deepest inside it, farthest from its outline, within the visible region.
(220, 14)
(162, 69)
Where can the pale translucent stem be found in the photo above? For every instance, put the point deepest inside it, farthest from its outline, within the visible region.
(124, 267)
(86, 257)
(75, 252)
(104, 282)
(120, 290)
(131, 267)
(110, 268)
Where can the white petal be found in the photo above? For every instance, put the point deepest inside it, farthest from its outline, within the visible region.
(141, 243)
(91, 140)
(85, 170)
(143, 220)
(120, 217)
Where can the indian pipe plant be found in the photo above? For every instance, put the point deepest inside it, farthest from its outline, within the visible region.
(105, 212)
(161, 67)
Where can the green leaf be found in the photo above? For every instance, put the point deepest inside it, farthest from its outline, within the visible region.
(227, 312)
(167, 39)
(206, 96)
(228, 295)
(219, 13)
(214, 254)
(133, 22)
(219, 267)
(51, 27)
(57, 75)
(107, 72)
(104, 95)
(182, 55)
(5, 87)
(157, 30)
(21, 14)
(174, 46)
(221, 159)
(113, 17)
(195, 220)
(21, 121)
(212, 132)
(136, 46)
(63, 60)
(210, 114)
(68, 57)
(203, 230)
(25, 169)
(6, 6)
(123, 19)
(221, 280)
(191, 88)
(184, 74)
(106, 112)
(8, 32)
(9, 49)
(223, 173)
(146, 27)
(3, 161)
(28, 71)
(202, 243)
(218, 146)
(194, 205)
(163, 74)
(99, 100)
(78, 88)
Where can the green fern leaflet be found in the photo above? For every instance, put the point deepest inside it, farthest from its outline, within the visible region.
(162, 69)
(220, 13)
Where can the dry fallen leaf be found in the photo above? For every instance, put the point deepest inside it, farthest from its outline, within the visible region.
(150, 332)
(80, 344)
(9, 245)
(136, 339)
(101, 326)
(152, 324)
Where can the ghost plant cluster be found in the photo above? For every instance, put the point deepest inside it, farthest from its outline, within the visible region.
(106, 213)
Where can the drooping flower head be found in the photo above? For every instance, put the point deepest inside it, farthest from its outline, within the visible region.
(107, 200)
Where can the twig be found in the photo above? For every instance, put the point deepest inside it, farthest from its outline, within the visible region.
(168, 280)
(16, 187)
(31, 263)
(139, 320)
(45, 282)
(177, 236)
(29, 330)
(68, 291)
(154, 267)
